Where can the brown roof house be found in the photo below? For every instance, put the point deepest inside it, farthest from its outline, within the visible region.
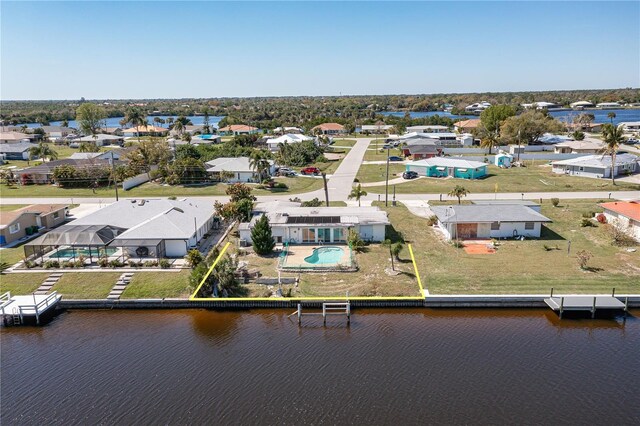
(329, 129)
(466, 126)
(237, 129)
(26, 221)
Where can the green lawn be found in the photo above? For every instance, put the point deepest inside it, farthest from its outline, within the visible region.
(21, 283)
(378, 172)
(344, 142)
(524, 266)
(145, 285)
(11, 255)
(11, 207)
(380, 154)
(526, 179)
(86, 285)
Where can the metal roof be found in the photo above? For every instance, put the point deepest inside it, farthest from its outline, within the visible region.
(475, 213)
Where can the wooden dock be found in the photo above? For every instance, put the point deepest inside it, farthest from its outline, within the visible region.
(18, 310)
(328, 308)
(591, 304)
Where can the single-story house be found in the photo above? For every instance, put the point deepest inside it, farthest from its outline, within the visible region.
(152, 228)
(375, 128)
(448, 167)
(283, 130)
(586, 127)
(541, 105)
(238, 169)
(55, 132)
(630, 126)
(238, 129)
(101, 139)
(147, 130)
(43, 173)
(112, 130)
(289, 138)
(591, 146)
(16, 151)
(608, 105)
(312, 225)
(15, 137)
(596, 166)
(581, 105)
(329, 129)
(531, 204)
(625, 215)
(419, 148)
(427, 129)
(551, 139)
(19, 223)
(466, 126)
(503, 159)
(489, 221)
(477, 107)
(104, 155)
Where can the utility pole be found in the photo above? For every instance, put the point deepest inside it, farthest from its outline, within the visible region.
(115, 179)
(326, 190)
(386, 185)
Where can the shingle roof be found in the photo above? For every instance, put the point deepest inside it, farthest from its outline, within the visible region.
(7, 218)
(16, 147)
(475, 213)
(330, 126)
(14, 136)
(238, 128)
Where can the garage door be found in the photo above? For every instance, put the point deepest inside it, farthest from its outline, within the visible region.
(467, 230)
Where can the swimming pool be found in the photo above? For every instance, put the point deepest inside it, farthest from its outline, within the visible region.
(83, 251)
(325, 256)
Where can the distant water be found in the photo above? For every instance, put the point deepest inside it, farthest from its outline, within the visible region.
(115, 121)
(412, 367)
(600, 115)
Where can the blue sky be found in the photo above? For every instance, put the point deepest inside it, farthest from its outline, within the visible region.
(65, 50)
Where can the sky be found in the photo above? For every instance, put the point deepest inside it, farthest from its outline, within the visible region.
(142, 50)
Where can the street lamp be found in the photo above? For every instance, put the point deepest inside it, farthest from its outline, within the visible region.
(386, 185)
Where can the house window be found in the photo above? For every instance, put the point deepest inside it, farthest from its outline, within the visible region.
(495, 226)
(56, 215)
(14, 228)
(528, 225)
(581, 169)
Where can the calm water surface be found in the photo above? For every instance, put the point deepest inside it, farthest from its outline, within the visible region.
(257, 367)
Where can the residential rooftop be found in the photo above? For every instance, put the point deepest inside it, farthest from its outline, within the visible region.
(474, 213)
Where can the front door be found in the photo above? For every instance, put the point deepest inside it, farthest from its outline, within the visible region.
(467, 230)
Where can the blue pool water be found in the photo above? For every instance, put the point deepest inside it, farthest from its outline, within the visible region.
(68, 253)
(325, 256)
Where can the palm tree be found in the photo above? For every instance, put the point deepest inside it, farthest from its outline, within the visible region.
(187, 138)
(259, 161)
(488, 139)
(42, 150)
(357, 193)
(394, 251)
(178, 127)
(458, 192)
(136, 118)
(613, 137)
(611, 116)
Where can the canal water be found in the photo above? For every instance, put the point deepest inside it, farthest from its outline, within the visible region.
(257, 367)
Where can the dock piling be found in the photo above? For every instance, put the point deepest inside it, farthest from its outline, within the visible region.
(593, 308)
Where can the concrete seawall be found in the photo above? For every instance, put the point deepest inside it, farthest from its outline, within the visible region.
(449, 301)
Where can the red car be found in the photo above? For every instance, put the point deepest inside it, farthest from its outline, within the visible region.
(310, 171)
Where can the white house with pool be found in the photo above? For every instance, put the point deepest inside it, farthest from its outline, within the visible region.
(293, 224)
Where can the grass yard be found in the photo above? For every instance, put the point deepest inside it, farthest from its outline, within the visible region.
(524, 266)
(526, 179)
(378, 172)
(21, 284)
(145, 285)
(344, 142)
(11, 255)
(380, 154)
(11, 207)
(86, 285)
(370, 280)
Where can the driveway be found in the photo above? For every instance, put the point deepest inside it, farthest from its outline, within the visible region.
(419, 208)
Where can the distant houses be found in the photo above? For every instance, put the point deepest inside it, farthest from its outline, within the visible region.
(15, 137)
(596, 166)
(329, 129)
(238, 129)
(428, 129)
(477, 107)
(466, 126)
(43, 173)
(29, 220)
(376, 128)
(592, 146)
(147, 130)
(100, 139)
(483, 221)
(419, 148)
(448, 167)
(16, 151)
(290, 138)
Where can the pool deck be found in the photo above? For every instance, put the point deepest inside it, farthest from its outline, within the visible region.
(297, 253)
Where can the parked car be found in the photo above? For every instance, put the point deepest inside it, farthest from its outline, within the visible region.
(395, 158)
(409, 175)
(286, 173)
(310, 171)
(632, 141)
(387, 146)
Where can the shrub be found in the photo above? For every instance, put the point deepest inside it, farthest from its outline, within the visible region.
(583, 257)
(103, 262)
(547, 248)
(49, 264)
(116, 263)
(588, 215)
(555, 202)
(150, 263)
(585, 223)
(312, 203)
(29, 264)
(619, 237)
(601, 218)
(261, 236)
(432, 220)
(280, 185)
(193, 257)
(134, 264)
(457, 244)
(355, 242)
(68, 264)
(173, 197)
(164, 263)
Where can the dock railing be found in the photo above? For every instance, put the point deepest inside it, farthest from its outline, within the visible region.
(38, 307)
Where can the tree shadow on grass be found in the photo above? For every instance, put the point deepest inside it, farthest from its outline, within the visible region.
(394, 235)
(547, 234)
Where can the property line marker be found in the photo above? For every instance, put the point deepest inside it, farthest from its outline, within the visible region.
(226, 246)
(415, 268)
